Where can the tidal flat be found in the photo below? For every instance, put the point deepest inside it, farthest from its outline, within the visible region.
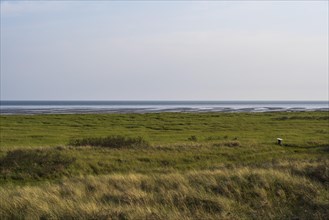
(165, 166)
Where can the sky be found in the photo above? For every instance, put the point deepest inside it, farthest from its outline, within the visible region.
(164, 50)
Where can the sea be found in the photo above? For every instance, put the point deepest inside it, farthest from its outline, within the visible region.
(89, 107)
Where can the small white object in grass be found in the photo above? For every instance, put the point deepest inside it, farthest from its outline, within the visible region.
(279, 141)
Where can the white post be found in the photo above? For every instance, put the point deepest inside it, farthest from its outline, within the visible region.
(280, 141)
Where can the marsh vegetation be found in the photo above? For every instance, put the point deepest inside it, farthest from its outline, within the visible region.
(165, 166)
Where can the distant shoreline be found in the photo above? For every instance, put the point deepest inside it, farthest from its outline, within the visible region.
(114, 107)
(42, 111)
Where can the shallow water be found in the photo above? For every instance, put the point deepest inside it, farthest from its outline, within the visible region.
(75, 107)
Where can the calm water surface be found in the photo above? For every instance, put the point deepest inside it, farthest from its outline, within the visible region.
(74, 107)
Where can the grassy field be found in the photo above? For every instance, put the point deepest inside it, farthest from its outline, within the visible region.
(165, 166)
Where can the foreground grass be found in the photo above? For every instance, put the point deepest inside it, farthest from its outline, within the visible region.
(248, 193)
(165, 166)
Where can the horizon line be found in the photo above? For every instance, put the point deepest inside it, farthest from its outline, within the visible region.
(162, 100)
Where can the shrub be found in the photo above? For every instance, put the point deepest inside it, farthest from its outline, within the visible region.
(34, 164)
(111, 142)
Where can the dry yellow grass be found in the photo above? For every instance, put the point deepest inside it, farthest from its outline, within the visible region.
(236, 193)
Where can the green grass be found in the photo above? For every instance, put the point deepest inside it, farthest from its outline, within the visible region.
(164, 128)
(166, 165)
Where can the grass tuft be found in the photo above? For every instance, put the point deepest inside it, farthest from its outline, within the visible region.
(34, 164)
(192, 138)
(228, 144)
(111, 142)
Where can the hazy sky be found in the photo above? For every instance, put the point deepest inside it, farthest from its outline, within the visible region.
(158, 50)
